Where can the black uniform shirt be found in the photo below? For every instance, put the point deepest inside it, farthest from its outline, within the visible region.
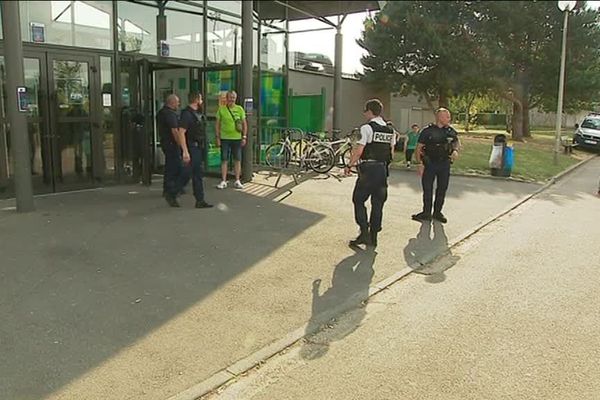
(438, 141)
(166, 120)
(193, 123)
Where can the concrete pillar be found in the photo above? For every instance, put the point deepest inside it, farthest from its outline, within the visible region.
(13, 57)
(246, 87)
(337, 80)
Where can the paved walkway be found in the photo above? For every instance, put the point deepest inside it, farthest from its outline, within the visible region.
(516, 317)
(110, 294)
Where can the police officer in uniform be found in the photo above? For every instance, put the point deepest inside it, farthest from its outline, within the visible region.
(372, 154)
(193, 125)
(437, 148)
(172, 142)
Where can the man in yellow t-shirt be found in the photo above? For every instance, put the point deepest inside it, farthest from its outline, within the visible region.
(232, 131)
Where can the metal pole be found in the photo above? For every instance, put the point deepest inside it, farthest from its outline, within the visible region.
(161, 27)
(561, 87)
(13, 55)
(337, 80)
(247, 17)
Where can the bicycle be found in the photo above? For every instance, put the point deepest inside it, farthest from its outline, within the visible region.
(280, 154)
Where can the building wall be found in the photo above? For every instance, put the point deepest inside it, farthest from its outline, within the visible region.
(354, 95)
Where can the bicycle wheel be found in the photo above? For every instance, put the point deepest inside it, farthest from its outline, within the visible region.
(346, 156)
(277, 155)
(320, 159)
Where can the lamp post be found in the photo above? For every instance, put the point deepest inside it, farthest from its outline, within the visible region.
(566, 7)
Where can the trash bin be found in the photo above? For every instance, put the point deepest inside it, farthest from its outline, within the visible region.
(501, 158)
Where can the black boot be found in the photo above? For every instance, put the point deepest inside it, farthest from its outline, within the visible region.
(363, 238)
(373, 235)
(172, 201)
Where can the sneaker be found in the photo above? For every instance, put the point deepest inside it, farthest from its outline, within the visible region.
(222, 185)
(440, 217)
(172, 201)
(408, 165)
(238, 185)
(203, 204)
(422, 216)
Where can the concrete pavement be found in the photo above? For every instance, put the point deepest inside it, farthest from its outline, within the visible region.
(110, 294)
(510, 313)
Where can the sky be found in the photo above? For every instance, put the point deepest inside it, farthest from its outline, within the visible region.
(324, 41)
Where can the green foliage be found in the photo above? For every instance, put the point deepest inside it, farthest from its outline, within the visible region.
(419, 47)
(455, 49)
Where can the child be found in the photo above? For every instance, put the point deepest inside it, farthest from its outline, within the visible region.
(412, 136)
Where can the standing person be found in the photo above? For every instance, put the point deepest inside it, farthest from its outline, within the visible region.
(437, 148)
(172, 142)
(232, 132)
(412, 136)
(375, 151)
(192, 126)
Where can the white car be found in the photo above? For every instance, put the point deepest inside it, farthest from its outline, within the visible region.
(588, 133)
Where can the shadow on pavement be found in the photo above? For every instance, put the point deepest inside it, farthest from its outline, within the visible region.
(89, 274)
(421, 250)
(349, 288)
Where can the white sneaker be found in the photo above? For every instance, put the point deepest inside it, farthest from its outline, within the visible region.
(222, 185)
(238, 185)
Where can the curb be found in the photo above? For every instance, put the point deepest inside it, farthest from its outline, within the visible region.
(257, 358)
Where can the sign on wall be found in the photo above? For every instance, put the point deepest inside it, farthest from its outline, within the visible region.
(38, 32)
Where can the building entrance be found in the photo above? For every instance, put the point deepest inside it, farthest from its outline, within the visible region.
(71, 145)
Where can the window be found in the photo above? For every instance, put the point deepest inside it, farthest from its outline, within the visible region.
(185, 35)
(224, 9)
(69, 23)
(224, 42)
(137, 28)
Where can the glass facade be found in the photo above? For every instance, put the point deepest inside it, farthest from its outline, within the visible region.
(89, 123)
(68, 23)
(136, 25)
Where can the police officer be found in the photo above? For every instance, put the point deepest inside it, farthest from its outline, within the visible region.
(172, 142)
(437, 148)
(192, 124)
(372, 154)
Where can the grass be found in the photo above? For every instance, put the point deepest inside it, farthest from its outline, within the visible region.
(533, 157)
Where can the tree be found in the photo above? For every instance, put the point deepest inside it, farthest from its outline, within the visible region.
(519, 44)
(421, 47)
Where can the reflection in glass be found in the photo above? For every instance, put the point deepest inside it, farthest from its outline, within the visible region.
(104, 162)
(185, 35)
(272, 50)
(224, 42)
(74, 161)
(137, 28)
(69, 23)
(71, 86)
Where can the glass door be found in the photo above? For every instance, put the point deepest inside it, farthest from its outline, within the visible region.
(75, 123)
(36, 115)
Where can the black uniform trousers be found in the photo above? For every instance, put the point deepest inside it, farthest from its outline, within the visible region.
(195, 170)
(371, 182)
(175, 174)
(439, 170)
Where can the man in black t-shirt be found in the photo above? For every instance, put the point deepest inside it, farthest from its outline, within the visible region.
(173, 144)
(437, 148)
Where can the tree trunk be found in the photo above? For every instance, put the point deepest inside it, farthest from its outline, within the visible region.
(443, 100)
(468, 113)
(526, 132)
(517, 122)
